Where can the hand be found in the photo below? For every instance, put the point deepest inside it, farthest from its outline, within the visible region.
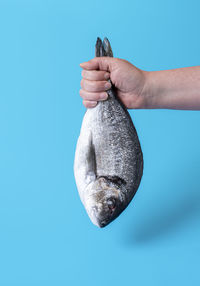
(128, 80)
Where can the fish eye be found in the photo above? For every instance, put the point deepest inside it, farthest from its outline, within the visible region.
(111, 203)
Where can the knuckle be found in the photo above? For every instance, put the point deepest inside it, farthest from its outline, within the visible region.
(85, 103)
(82, 73)
(82, 83)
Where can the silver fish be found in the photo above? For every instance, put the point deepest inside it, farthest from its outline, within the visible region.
(108, 163)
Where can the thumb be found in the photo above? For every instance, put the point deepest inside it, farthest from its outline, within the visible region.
(99, 63)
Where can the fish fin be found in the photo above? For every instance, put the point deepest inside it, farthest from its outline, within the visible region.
(103, 49)
(107, 48)
(98, 47)
(114, 179)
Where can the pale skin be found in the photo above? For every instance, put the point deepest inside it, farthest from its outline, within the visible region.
(139, 89)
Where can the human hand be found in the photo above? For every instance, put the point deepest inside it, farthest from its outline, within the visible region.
(128, 80)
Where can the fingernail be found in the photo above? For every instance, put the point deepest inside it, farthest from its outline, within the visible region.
(103, 96)
(107, 75)
(108, 85)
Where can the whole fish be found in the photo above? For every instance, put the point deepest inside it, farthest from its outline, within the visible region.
(108, 162)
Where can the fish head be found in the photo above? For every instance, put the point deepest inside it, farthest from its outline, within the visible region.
(105, 201)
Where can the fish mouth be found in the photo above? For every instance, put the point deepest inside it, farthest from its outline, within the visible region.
(101, 223)
(104, 222)
(97, 219)
(104, 217)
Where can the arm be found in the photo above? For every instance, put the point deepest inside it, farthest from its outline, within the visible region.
(174, 89)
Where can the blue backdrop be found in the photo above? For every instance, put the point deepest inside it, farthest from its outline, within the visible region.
(46, 237)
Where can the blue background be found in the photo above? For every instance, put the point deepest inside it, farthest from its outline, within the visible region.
(46, 237)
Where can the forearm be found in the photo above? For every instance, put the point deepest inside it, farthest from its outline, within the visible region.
(173, 89)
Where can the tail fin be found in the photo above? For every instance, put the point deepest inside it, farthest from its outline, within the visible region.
(107, 48)
(103, 49)
(98, 47)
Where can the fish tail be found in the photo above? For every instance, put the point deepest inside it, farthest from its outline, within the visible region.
(103, 49)
(107, 48)
(99, 50)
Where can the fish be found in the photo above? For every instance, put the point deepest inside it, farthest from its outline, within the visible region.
(108, 163)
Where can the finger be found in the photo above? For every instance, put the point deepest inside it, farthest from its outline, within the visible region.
(99, 63)
(94, 85)
(93, 96)
(89, 104)
(95, 75)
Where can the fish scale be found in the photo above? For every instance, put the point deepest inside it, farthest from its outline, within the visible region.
(108, 163)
